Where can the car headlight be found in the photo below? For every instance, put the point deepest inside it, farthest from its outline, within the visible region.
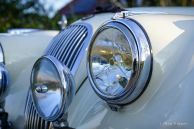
(4, 79)
(52, 87)
(119, 61)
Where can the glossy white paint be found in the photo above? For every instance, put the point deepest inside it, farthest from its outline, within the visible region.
(163, 10)
(21, 51)
(167, 102)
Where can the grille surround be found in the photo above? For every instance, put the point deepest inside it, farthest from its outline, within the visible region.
(81, 46)
(68, 47)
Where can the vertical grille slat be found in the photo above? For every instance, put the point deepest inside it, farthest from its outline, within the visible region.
(30, 120)
(41, 123)
(71, 44)
(28, 111)
(54, 39)
(34, 119)
(73, 52)
(75, 57)
(72, 38)
(46, 125)
(66, 47)
(59, 43)
(72, 47)
(54, 43)
(37, 121)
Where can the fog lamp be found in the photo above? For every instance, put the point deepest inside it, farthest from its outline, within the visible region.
(52, 87)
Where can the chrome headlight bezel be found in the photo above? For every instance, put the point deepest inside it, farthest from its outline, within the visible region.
(141, 56)
(67, 89)
(4, 78)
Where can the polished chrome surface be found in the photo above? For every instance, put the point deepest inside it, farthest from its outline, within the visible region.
(119, 61)
(3, 82)
(63, 22)
(32, 118)
(122, 14)
(2, 58)
(67, 45)
(52, 88)
(41, 89)
(4, 79)
(70, 42)
(128, 14)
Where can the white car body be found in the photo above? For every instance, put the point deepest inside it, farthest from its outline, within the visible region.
(166, 103)
(21, 51)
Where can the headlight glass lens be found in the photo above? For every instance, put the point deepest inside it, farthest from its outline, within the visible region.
(111, 63)
(46, 88)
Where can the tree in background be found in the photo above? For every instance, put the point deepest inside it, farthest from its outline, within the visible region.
(25, 14)
(31, 13)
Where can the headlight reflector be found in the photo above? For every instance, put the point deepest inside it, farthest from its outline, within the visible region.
(119, 61)
(111, 61)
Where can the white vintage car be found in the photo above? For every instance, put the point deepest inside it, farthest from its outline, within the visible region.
(132, 69)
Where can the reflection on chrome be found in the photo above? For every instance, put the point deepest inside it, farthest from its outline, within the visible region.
(45, 75)
(111, 61)
(52, 88)
(119, 62)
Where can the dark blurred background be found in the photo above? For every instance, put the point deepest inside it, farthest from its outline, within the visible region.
(39, 14)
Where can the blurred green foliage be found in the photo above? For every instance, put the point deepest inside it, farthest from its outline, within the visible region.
(27, 14)
(31, 13)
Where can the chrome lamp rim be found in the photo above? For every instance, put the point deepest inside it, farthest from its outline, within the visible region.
(142, 61)
(68, 90)
(5, 79)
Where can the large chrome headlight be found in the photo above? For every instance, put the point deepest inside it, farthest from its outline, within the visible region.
(119, 61)
(52, 87)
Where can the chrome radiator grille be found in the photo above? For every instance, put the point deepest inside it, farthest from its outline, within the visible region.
(32, 119)
(66, 47)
